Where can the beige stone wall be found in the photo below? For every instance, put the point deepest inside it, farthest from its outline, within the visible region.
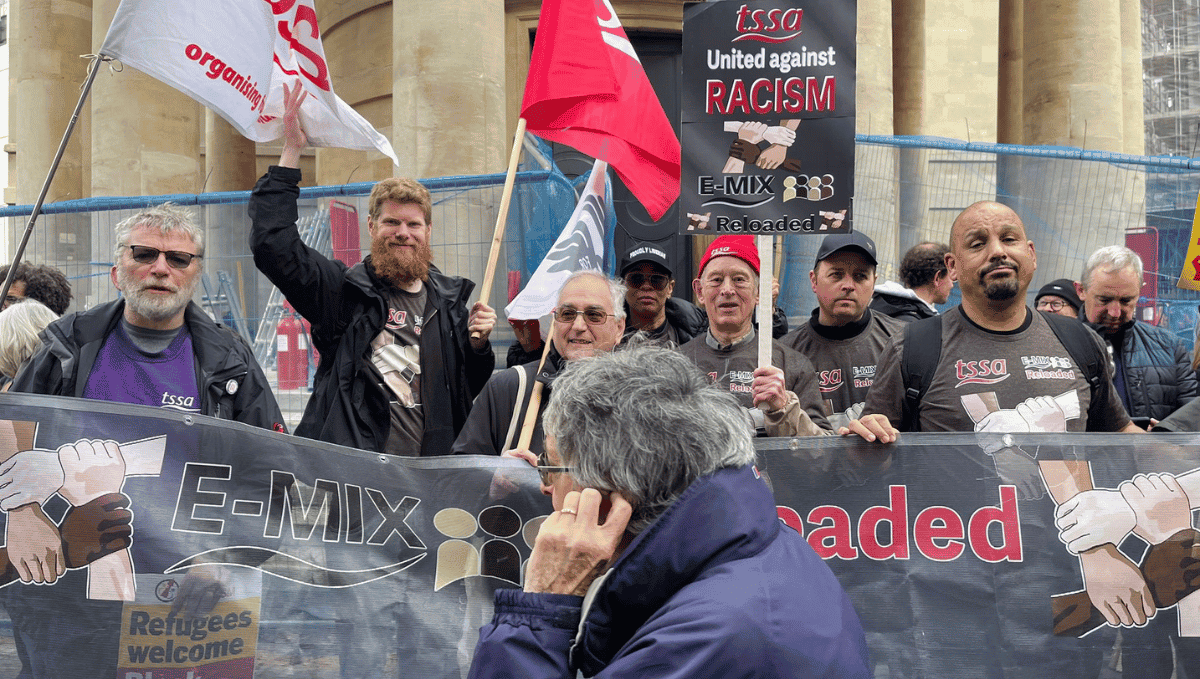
(961, 58)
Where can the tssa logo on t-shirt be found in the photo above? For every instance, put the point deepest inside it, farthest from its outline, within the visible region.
(829, 380)
(398, 318)
(981, 372)
(176, 402)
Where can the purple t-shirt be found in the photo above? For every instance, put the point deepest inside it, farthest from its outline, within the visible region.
(125, 374)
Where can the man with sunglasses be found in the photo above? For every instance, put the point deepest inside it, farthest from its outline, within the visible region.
(155, 346)
(652, 310)
(781, 399)
(589, 319)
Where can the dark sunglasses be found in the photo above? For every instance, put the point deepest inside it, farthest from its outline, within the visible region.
(657, 280)
(592, 316)
(548, 471)
(148, 255)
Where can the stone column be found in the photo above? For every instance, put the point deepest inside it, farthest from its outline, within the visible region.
(145, 134)
(1133, 113)
(1009, 101)
(46, 73)
(229, 163)
(448, 115)
(908, 73)
(1072, 89)
(1073, 74)
(358, 44)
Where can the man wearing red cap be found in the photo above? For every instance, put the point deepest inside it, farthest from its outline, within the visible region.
(782, 399)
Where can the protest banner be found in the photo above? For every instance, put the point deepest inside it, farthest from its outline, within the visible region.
(768, 117)
(373, 565)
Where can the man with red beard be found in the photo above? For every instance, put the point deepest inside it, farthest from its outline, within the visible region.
(399, 362)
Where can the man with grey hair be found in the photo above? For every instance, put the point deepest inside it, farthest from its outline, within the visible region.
(640, 450)
(589, 319)
(1153, 375)
(154, 347)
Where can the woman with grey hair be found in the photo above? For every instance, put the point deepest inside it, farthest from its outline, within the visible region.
(19, 328)
(664, 555)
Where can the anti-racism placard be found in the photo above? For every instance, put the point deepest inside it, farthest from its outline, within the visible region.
(768, 117)
(252, 551)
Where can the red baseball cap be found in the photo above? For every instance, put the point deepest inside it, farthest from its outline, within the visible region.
(741, 247)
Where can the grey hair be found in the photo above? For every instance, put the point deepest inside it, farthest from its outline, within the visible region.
(167, 217)
(616, 288)
(1113, 258)
(19, 328)
(644, 422)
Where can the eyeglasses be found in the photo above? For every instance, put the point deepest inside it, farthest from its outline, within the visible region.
(148, 255)
(657, 280)
(9, 300)
(1050, 305)
(592, 315)
(547, 471)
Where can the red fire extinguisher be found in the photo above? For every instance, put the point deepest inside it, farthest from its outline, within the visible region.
(292, 351)
(314, 357)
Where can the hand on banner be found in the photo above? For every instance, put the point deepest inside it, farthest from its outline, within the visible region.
(991, 429)
(872, 428)
(503, 480)
(1093, 518)
(1116, 587)
(97, 529)
(779, 135)
(295, 140)
(752, 132)
(573, 546)
(1016, 468)
(744, 151)
(772, 157)
(34, 546)
(1160, 506)
(1042, 413)
(90, 469)
(768, 388)
(30, 476)
(481, 321)
(200, 591)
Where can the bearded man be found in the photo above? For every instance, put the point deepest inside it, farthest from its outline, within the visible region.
(401, 357)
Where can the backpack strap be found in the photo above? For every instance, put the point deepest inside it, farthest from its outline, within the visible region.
(1077, 340)
(518, 408)
(918, 360)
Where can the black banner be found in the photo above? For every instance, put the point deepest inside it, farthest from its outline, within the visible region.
(345, 563)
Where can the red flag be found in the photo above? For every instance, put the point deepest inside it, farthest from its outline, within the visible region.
(587, 89)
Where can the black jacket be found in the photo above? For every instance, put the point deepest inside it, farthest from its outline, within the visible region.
(901, 308)
(232, 386)
(486, 430)
(1157, 369)
(347, 308)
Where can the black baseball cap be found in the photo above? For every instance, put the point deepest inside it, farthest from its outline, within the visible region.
(855, 240)
(645, 252)
(1063, 287)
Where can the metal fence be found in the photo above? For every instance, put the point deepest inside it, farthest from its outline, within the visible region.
(909, 190)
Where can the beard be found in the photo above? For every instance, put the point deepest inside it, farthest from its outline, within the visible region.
(154, 306)
(1003, 289)
(403, 267)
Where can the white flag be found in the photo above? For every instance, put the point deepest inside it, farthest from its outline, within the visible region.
(234, 56)
(579, 247)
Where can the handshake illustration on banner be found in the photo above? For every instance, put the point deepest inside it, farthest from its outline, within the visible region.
(95, 532)
(745, 149)
(993, 427)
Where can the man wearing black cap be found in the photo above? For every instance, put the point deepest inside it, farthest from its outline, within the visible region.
(844, 337)
(648, 302)
(1059, 297)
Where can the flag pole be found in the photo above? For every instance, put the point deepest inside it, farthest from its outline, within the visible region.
(93, 69)
(485, 288)
(535, 400)
(766, 267)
